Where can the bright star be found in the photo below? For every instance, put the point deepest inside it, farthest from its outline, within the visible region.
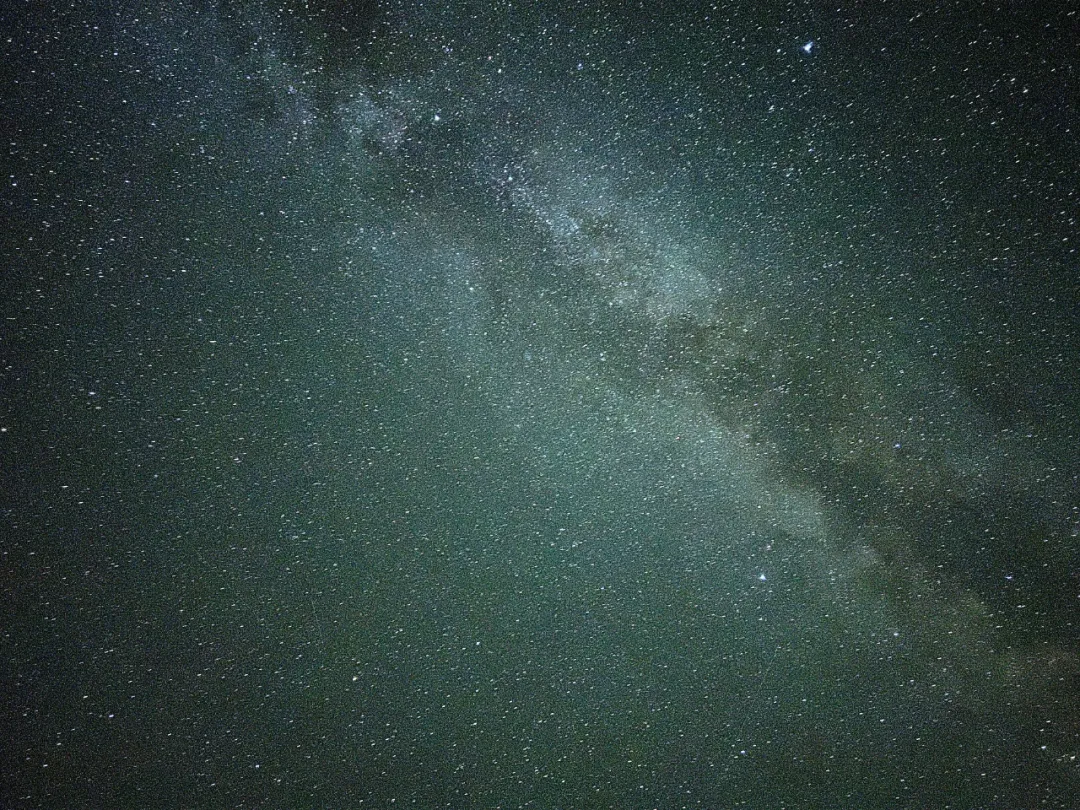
(808, 46)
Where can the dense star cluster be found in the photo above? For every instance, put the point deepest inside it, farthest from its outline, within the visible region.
(531, 405)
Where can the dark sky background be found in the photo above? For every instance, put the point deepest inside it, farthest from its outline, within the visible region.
(497, 404)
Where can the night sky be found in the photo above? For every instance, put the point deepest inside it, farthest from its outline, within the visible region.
(540, 405)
